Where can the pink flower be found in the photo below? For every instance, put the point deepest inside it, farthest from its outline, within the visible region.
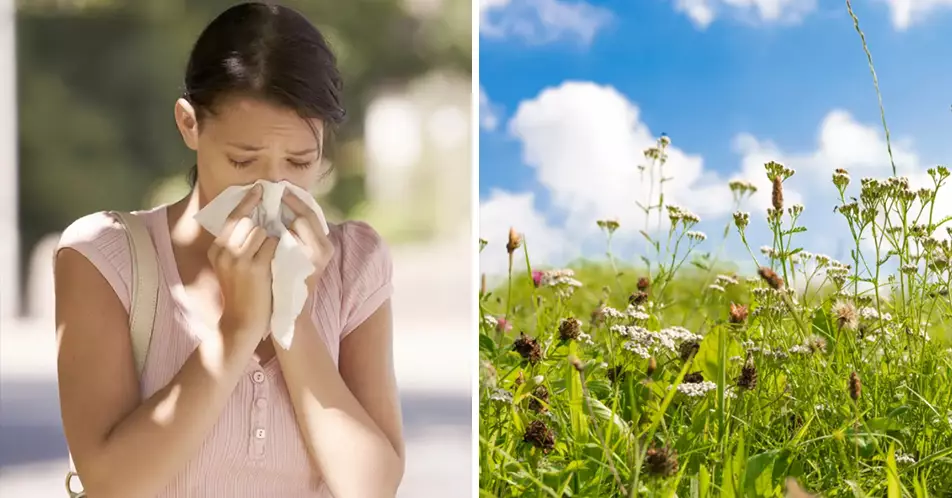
(537, 277)
(503, 325)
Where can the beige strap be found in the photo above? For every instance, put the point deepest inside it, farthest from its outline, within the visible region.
(145, 294)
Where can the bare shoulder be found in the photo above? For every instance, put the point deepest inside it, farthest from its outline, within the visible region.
(97, 379)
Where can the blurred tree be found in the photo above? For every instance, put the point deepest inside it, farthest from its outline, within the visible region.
(97, 80)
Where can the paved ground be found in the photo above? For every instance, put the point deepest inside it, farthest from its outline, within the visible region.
(434, 357)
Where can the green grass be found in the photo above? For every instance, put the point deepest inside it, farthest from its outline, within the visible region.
(836, 375)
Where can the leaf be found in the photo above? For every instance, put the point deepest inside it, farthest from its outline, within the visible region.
(892, 474)
(487, 344)
(756, 472)
(576, 408)
(707, 358)
(704, 482)
(604, 413)
(646, 236)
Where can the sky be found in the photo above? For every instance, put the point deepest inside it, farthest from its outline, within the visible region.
(572, 93)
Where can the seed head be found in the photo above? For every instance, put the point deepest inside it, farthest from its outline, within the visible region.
(694, 378)
(661, 462)
(515, 241)
(539, 400)
(773, 280)
(748, 374)
(738, 313)
(856, 386)
(688, 349)
(528, 347)
(776, 197)
(846, 315)
(644, 284)
(652, 366)
(540, 436)
(569, 329)
(638, 298)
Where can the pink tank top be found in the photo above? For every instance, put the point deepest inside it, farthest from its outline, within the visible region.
(255, 449)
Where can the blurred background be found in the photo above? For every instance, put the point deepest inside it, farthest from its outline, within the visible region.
(86, 95)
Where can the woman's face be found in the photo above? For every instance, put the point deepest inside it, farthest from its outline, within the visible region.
(246, 140)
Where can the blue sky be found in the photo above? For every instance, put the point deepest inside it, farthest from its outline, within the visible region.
(573, 88)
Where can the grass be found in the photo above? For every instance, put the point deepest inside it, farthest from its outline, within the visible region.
(680, 376)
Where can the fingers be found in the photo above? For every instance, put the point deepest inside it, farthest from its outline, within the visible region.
(267, 250)
(303, 211)
(253, 242)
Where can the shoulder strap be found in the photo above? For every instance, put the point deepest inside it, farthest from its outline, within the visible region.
(145, 294)
(145, 285)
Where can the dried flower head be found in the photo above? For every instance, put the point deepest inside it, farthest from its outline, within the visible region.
(638, 298)
(528, 347)
(539, 399)
(748, 374)
(608, 225)
(847, 317)
(515, 241)
(773, 280)
(644, 284)
(662, 462)
(738, 313)
(539, 435)
(816, 344)
(694, 378)
(688, 349)
(856, 386)
(569, 329)
(776, 195)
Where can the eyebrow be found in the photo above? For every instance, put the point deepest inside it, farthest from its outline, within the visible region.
(252, 148)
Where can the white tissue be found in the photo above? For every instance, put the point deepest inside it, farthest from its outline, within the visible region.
(291, 265)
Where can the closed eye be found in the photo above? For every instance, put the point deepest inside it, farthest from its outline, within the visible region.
(240, 164)
(302, 164)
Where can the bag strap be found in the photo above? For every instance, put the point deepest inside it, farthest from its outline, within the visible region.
(142, 307)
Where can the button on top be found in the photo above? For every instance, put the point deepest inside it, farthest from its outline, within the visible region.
(260, 433)
(258, 377)
(261, 402)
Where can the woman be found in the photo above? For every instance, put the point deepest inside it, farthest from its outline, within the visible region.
(219, 410)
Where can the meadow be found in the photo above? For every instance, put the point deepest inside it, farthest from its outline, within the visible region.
(687, 376)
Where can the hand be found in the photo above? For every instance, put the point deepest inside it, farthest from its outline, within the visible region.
(241, 257)
(307, 228)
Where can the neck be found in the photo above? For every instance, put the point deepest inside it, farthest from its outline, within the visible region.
(185, 232)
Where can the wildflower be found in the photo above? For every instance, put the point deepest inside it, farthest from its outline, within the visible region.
(540, 436)
(776, 196)
(528, 347)
(515, 240)
(856, 386)
(569, 329)
(638, 298)
(799, 349)
(662, 462)
(539, 399)
(501, 395)
(795, 210)
(503, 325)
(771, 277)
(636, 313)
(585, 339)
(904, 458)
(664, 140)
(841, 178)
(716, 288)
(822, 259)
(909, 269)
(770, 252)
(688, 349)
(748, 374)
(816, 344)
(537, 277)
(741, 220)
(653, 365)
(738, 313)
(696, 389)
(693, 378)
(490, 321)
(696, 236)
(638, 349)
(725, 280)
(644, 284)
(608, 225)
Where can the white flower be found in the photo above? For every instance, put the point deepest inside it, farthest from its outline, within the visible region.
(638, 349)
(697, 390)
(768, 251)
(636, 313)
(799, 349)
(612, 312)
(501, 395)
(725, 280)
(490, 320)
(905, 458)
(822, 259)
(697, 236)
(716, 288)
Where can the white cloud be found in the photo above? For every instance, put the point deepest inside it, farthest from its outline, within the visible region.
(505, 210)
(585, 141)
(908, 12)
(488, 112)
(542, 21)
(703, 12)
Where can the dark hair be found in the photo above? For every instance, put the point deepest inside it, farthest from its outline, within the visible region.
(269, 52)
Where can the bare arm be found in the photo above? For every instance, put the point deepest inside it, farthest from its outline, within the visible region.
(123, 447)
(350, 417)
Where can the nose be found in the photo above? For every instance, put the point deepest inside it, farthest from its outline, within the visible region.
(273, 171)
